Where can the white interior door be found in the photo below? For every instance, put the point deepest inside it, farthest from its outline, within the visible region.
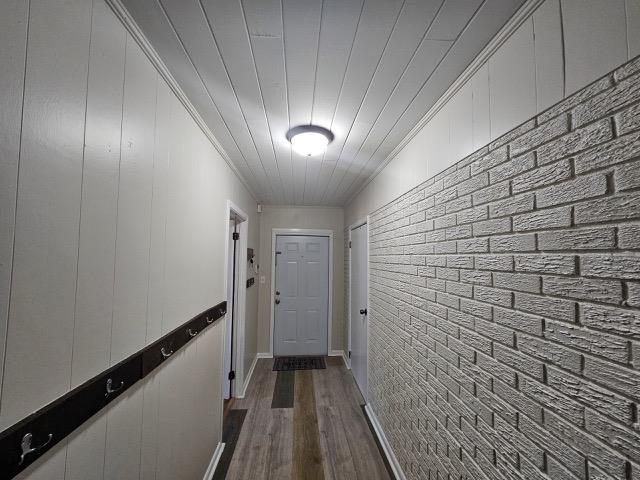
(301, 301)
(359, 331)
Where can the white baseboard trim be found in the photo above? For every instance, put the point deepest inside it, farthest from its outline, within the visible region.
(336, 353)
(346, 360)
(208, 475)
(243, 392)
(393, 461)
(264, 355)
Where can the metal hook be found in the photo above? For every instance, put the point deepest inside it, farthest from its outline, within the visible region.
(110, 388)
(166, 354)
(27, 448)
(191, 333)
(209, 320)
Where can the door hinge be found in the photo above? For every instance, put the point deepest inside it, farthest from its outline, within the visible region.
(236, 236)
(349, 243)
(232, 375)
(349, 353)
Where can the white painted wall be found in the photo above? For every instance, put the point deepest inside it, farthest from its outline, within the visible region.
(112, 230)
(319, 218)
(563, 46)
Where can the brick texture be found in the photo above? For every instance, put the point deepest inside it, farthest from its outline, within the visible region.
(505, 301)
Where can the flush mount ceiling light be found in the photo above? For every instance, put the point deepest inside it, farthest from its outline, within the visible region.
(309, 140)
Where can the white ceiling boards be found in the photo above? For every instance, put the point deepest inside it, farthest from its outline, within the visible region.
(368, 70)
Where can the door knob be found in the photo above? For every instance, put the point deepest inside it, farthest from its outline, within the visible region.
(277, 292)
(363, 311)
(277, 301)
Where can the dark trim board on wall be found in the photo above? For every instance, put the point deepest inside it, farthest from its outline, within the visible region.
(26, 441)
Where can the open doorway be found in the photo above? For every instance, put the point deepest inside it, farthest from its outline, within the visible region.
(236, 228)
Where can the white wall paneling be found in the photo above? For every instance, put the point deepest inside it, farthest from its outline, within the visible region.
(98, 213)
(481, 115)
(595, 39)
(13, 38)
(633, 27)
(131, 274)
(38, 360)
(547, 36)
(119, 200)
(512, 81)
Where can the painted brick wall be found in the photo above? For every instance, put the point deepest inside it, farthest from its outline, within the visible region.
(505, 297)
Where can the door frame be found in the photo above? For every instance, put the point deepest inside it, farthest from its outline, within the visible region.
(237, 360)
(304, 232)
(358, 223)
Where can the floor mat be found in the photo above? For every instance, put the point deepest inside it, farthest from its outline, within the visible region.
(283, 364)
(283, 391)
(230, 432)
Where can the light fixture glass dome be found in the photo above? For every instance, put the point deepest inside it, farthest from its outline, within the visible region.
(309, 140)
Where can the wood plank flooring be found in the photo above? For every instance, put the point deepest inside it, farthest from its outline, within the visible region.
(321, 434)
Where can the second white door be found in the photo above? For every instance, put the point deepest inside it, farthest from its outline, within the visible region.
(359, 330)
(301, 302)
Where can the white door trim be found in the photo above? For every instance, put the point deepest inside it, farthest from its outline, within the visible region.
(358, 223)
(300, 231)
(240, 307)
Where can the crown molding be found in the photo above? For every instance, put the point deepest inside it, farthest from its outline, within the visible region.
(509, 28)
(141, 39)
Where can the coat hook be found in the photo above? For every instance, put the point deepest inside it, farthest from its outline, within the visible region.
(110, 388)
(191, 333)
(165, 354)
(209, 320)
(27, 448)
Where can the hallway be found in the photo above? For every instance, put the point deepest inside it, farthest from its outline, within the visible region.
(303, 424)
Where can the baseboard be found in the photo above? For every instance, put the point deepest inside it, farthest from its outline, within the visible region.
(242, 393)
(393, 461)
(214, 462)
(341, 353)
(346, 360)
(264, 355)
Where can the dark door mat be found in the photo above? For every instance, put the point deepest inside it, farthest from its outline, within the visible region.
(232, 425)
(283, 390)
(283, 364)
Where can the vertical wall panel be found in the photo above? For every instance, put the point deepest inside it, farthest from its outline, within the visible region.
(512, 81)
(13, 38)
(158, 213)
(123, 443)
(461, 123)
(96, 257)
(38, 360)
(633, 27)
(481, 114)
(547, 29)
(85, 450)
(134, 206)
(594, 39)
(149, 448)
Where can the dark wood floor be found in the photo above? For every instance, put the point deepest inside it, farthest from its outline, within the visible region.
(321, 433)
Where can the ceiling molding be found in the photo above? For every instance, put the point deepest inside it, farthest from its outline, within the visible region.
(134, 30)
(523, 13)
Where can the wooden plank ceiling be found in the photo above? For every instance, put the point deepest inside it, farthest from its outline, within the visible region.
(368, 70)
